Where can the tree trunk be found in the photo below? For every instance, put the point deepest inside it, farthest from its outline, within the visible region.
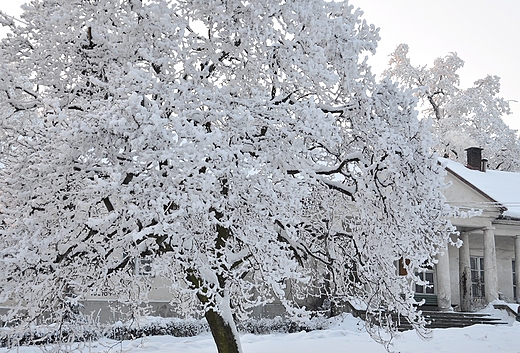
(223, 330)
(223, 333)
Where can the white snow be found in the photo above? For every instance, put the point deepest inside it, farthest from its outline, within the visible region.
(502, 187)
(346, 336)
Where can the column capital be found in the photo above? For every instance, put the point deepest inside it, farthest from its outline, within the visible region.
(488, 228)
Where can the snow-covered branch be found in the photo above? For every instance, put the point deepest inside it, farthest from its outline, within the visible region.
(242, 152)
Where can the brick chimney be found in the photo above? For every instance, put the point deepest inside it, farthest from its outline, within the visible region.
(474, 157)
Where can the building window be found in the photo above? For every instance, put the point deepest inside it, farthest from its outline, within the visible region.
(477, 276)
(143, 266)
(427, 276)
(402, 269)
(514, 280)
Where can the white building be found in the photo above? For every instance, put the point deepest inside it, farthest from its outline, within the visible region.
(485, 267)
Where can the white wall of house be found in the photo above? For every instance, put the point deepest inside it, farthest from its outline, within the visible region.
(464, 195)
(505, 255)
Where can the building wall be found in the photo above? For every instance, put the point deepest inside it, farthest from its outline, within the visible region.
(505, 253)
(505, 248)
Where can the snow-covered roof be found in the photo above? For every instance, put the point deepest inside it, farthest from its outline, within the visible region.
(502, 187)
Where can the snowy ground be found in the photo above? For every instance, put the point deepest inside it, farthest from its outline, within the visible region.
(346, 336)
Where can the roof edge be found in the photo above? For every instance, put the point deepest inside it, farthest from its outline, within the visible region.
(502, 208)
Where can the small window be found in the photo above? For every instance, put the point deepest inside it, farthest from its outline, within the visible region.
(143, 266)
(477, 276)
(427, 276)
(402, 269)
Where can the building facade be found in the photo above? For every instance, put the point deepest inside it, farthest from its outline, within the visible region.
(485, 267)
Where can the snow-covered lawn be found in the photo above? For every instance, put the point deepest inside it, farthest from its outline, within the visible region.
(346, 336)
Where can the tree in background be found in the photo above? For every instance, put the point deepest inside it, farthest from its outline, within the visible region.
(461, 118)
(238, 147)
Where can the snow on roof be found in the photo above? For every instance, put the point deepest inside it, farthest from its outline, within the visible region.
(502, 187)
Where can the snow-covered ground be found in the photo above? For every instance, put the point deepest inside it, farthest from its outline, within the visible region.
(345, 336)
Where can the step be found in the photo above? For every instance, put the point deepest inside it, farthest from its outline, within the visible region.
(440, 319)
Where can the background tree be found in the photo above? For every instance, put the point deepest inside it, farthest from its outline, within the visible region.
(461, 118)
(241, 147)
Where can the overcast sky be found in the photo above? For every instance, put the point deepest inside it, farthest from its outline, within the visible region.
(484, 33)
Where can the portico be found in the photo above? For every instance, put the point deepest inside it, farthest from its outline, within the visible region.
(486, 265)
(470, 289)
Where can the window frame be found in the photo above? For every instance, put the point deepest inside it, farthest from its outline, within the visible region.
(477, 277)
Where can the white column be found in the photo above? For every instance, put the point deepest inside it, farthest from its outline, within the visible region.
(517, 267)
(443, 280)
(465, 274)
(490, 265)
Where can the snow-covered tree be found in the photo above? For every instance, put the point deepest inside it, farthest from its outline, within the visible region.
(462, 118)
(240, 146)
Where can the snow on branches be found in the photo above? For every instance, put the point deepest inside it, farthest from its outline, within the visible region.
(461, 118)
(239, 147)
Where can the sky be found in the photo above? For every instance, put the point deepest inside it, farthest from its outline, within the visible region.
(485, 34)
